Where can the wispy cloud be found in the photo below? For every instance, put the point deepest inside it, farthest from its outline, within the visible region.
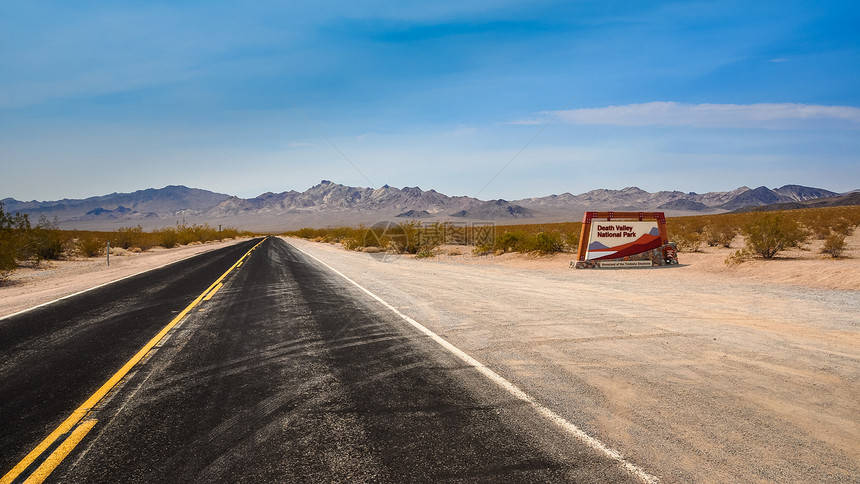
(462, 130)
(764, 115)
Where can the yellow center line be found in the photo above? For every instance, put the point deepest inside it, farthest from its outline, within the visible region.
(51, 463)
(96, 397)
(213, 291)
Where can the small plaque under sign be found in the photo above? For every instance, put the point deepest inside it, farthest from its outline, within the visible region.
(625, 263)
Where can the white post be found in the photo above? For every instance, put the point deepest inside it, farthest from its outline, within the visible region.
(108, 252)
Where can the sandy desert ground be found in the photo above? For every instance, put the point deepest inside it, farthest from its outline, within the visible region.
(701, 372)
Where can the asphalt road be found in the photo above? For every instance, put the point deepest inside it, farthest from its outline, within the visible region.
(287, 374)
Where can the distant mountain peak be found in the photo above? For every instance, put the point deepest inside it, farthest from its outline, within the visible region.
(330, 203)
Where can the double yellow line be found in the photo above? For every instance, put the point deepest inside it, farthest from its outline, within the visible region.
(77, 425)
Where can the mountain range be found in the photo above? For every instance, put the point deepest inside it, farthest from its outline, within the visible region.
(329, 203)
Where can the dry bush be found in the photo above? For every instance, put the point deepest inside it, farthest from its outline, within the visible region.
(90, 246)
(166, 237)
(46, 241)
(738, 257)
(542, 243)
(364, 237)
(834, 246)
(770, 233)
(128, 237)
(347, 235)
(822, 222)
(687, 232)
(13, 237)
(843, 226)
(547, 243)
(721, 231)
(509, 242)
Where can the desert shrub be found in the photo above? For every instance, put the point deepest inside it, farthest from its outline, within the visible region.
(184, 234)
(819, 228)
(145, 242)
(770, 233)
(128, 237)
(543, 243)
(834, 245)
(13, 233)
(509, 242)
(8, 262)
(425, 253)
(406, 238)
(720, 232)
(572, 240)
(230, 233)
(365, 237)
(547, 243)
(687, 232)
(307, 233)
(843, 226)
(482, 249)
(687, 240)
(46, 240)
(737, 257)
(90, 246)
(169, 237)
(166, 237)
(351, 237)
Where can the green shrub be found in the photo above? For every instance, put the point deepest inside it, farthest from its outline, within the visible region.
(770, 233)
(547, 243)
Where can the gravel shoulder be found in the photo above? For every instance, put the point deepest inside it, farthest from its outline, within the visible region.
(701, 372)
(33, 285)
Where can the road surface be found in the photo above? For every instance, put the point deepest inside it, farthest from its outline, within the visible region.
(285, 372)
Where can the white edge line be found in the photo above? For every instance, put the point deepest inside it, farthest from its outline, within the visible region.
(507, 386)
(105, 284)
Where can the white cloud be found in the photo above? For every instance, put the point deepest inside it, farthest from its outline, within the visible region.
(767, 116)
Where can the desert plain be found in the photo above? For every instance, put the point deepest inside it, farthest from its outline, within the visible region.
(705, 371)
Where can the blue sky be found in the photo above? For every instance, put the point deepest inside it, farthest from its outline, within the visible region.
(499, 100)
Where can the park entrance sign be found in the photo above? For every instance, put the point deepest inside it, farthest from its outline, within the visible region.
(624, 239)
